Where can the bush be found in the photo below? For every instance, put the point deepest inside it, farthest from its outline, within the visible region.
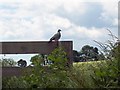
(108, 73)
(55, 75)
(14, 82)
(7, 62)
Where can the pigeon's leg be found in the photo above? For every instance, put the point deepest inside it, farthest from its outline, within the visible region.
(57, 43)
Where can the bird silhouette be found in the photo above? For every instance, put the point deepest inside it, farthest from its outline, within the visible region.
(56, 36)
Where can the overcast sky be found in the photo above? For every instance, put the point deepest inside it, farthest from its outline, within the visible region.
(81, 21)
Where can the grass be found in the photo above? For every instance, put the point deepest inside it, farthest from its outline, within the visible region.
(104, 73)
(80, 76)
(85, 70)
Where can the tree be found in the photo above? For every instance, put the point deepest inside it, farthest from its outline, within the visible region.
(22, 63)
(76, 55)
(108, 75)
(37, 60)
(55, 75)
(59, 57)
(88, 53)
(8, 62)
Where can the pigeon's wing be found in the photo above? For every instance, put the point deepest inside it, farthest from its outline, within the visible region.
(55, 37)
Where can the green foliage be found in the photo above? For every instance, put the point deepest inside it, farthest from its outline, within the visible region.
(37, 60)
(90, 52)
(55, 75)
(14, 82)
(108, 74)
(97, 74)
(87, 53)
(76, 56)
(94, 74)
(7, 62)
(103, 73)
(80, 75)
(58, 57)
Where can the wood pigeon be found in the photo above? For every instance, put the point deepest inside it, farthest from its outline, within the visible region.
(56, 36)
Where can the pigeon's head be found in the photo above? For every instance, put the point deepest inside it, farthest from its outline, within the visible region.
(59, 30)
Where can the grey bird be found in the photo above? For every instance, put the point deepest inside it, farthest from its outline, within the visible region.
(56, 36)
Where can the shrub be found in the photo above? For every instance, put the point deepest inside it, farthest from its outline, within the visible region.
(108, 73)
(55, 75)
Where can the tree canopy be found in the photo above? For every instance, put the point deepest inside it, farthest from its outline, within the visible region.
(87, 53)
(7, 62)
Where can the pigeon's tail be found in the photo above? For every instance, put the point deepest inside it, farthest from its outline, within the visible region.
(50, 41)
